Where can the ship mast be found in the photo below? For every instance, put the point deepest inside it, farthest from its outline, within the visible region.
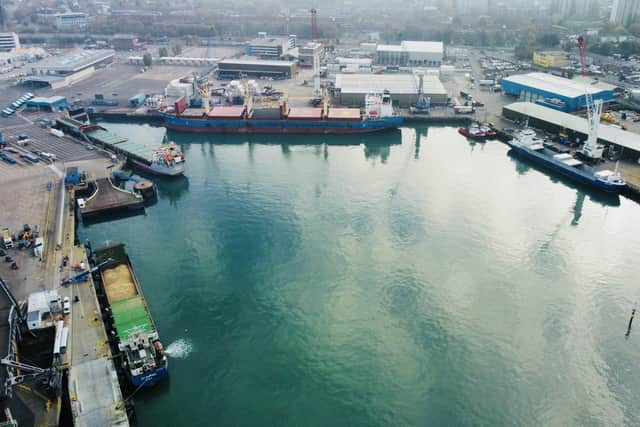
(203, 90)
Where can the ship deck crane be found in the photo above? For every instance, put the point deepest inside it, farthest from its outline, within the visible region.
(84, 274)
(203, 90)
(590, 149)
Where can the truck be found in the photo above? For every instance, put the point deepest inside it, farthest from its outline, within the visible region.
(463, 109)
(56, 132)
(6, 238)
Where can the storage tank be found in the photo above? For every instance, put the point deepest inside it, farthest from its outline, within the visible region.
(177, 88)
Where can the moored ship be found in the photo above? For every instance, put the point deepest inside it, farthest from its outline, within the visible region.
(529, 146)
(478, 131)
(143, 358)
(378, 115)
(165, 160)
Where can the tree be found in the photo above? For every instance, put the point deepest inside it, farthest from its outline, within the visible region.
(162, 52)
(177, 49)
(548, 39)
(146, 59)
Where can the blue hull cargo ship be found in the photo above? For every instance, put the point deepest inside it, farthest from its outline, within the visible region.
(527, 145)
(143, 358)
(280, 119)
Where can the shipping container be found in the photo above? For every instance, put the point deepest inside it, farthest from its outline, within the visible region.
(180, 105)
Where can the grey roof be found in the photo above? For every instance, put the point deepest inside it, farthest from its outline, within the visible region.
(607, 133)
(397, 84)
(558, 85)
(413, 46)
(75, 60)
(265, 62)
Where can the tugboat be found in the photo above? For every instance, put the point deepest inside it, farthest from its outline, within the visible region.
(477, 131)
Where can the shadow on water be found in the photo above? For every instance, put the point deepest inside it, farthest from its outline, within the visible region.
(112, 217)
(605, 199)
(172, 188)
(388, 137)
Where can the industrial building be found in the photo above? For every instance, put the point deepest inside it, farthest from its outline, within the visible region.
(70, 20)
(9, 42)
(54, 103)
(306, 53)
(352, 88)
(234, 68)
(68, 68)
(557, 92)
(551, 59)
(125, 42)
(269, 47)
(411, 53)
(551, 120)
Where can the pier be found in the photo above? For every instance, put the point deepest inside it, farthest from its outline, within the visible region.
(107, 198)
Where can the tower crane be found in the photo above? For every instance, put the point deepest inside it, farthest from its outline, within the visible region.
(590, 149)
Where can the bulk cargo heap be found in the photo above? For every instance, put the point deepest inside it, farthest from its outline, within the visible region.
(378, 115)
(143, 358)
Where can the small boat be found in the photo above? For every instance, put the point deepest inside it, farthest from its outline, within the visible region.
(165, 160)
(478, 131)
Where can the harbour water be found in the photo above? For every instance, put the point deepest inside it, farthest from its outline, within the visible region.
(420, 280)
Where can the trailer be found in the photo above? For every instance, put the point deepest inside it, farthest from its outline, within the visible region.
(463, 109)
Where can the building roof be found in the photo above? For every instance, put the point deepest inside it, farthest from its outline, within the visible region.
(265, 62)
(397, 84)
(389, 48)
(269, 41)
(558, 85)
(42, 101)
(75, 60)
(607, 133)
(413, 46)
(420, 46)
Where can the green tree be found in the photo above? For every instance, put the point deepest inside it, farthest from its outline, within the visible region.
(177, 49)
(548, 39)
(523, 51)
(146, 59)
(162, 52)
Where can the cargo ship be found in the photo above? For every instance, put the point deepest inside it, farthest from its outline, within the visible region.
(143, 358)
(378, 115)
(527, 145)
(165, 160)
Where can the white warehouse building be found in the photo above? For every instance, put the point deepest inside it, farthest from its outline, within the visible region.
(411, 53)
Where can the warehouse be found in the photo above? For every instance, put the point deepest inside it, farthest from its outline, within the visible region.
(54, 103)
(68, 68)
(352, 88)
(411, 53)
(555, 92)
(234, 68)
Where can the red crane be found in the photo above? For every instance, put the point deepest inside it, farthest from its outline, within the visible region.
(314, 24)
(583, 58)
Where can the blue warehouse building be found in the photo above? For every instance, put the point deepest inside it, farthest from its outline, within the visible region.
(555, 92)
(54, 103)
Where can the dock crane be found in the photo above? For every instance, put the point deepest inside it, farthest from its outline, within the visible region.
(33, 372)
(590, 149)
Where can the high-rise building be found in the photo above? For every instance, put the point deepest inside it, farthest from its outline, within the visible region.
(625, 12)
(8, 42)
(576, 8)
(465, 7)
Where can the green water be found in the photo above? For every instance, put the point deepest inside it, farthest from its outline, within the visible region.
(428, 282)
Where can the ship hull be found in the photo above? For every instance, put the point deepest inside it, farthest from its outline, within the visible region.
(149, 379)
(289, 127)
(567, 171)
(175, 171)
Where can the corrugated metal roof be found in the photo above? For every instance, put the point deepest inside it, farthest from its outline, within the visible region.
(255, 62)
(75, 60)
(420, 46)
(558, 85)
(397, 84)
(608, 133)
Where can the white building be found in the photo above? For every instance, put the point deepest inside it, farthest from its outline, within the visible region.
(270, 47)
(625, 12)
(411, 53)
(9, 41)
(71, 20)
(40, 305)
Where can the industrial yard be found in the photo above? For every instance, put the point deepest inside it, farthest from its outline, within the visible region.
(64, 172)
